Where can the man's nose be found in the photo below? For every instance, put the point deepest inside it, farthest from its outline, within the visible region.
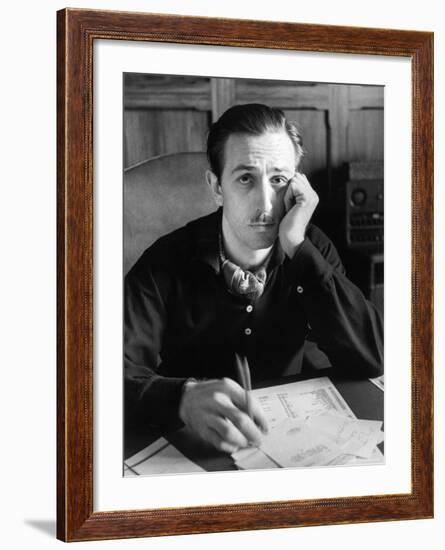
(265, 196)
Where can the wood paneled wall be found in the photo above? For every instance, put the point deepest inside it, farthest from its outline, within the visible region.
(339, 123)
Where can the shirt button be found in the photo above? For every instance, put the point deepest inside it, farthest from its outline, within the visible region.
(249, 309)
(248, 332)
(300, 289)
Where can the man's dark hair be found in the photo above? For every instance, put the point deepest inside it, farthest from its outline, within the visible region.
(251, 118)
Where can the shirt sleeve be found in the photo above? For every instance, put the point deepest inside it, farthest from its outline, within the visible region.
(346, 326)
(150, 399)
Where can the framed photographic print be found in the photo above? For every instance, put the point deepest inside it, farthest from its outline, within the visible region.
(326, 130)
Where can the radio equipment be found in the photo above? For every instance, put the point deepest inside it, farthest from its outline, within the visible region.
(364, 206)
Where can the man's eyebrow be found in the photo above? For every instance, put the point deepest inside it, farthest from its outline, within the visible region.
(279, 169)
(248, 167)
(240, 167)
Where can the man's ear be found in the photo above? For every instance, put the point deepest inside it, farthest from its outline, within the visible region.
(215, 187)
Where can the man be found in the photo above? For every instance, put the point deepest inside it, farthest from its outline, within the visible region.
(254, 279)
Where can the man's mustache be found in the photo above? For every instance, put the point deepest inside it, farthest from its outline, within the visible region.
(262, 217)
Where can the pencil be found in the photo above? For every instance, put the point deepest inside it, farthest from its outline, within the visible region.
(248, 388)
(244, 376)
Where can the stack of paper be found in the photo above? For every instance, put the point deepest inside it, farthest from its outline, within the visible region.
(321, 440)
(311, 425)
(379, 381)
(159, 458)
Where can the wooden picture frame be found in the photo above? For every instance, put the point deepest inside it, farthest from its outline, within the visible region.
(77, 31)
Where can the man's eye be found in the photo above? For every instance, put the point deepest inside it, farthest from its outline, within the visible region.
(245, 179)
(280, 180)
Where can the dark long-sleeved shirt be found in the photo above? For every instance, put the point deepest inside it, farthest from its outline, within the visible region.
(181, 320)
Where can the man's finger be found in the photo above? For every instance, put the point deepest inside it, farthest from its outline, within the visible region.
(238, 397)
(242, 423)
(213, 437)
(288, 197)
(300, 180)
(295, 191)
(228, 432)
(259, 417)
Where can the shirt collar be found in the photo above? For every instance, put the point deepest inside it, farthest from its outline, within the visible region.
(207, 244)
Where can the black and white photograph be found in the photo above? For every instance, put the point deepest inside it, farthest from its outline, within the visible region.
(223, 274)
(253, 276)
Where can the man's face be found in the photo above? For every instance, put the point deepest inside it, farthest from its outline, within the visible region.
(254, 179)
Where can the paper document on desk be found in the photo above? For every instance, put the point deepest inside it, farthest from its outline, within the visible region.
(294, 444)
(300, 400)
(159, 458)
(316, 441)
(343, 459)
(379, 382)
(256, 459)
(310, 424)
(253, 458)
(354, 437)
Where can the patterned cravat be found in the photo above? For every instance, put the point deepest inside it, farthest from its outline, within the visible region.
(243, 282)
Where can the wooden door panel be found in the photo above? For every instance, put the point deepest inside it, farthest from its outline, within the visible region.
(365, 135)
(149, 133)
(312, 126)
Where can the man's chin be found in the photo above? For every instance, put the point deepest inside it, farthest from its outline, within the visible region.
(263, 241)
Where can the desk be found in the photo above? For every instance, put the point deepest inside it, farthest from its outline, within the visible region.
(364, 398)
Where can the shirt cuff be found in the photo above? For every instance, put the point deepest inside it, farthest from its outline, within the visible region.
(308, 269)
(159, 403)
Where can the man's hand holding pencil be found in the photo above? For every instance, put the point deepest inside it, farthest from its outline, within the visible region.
(223, 412)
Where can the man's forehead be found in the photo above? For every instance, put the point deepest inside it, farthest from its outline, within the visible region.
(250, 150)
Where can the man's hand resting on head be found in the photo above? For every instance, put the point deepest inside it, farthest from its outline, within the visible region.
(300, 201)
(215, 410)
